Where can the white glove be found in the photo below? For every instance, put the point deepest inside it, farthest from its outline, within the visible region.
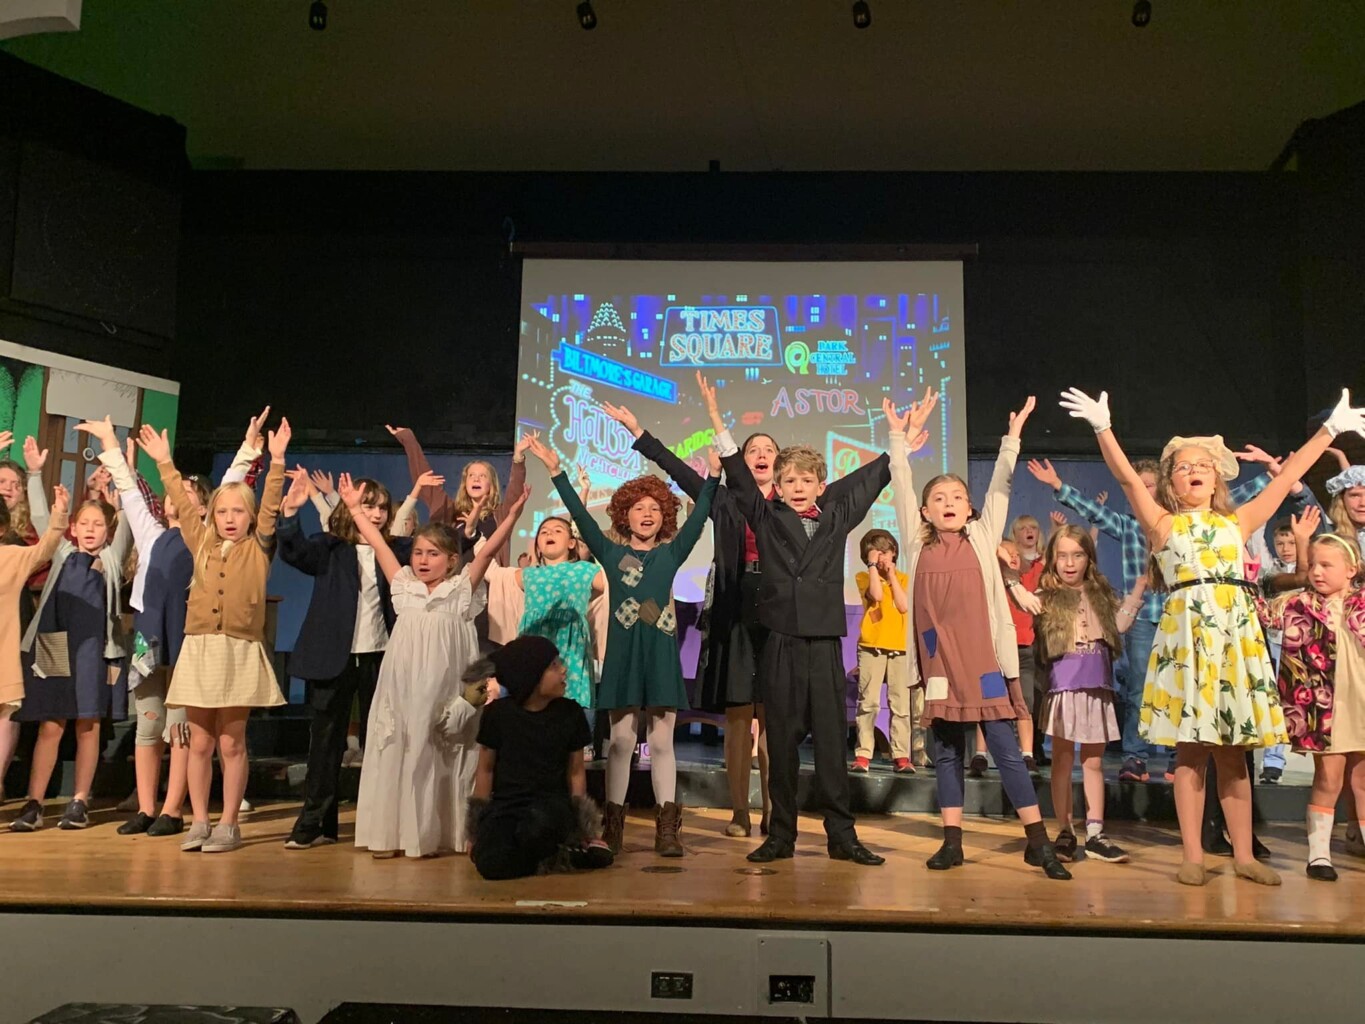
(1345, 419)
(1094, 411)
(1026, 601)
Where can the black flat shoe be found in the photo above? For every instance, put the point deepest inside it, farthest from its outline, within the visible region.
(946, 857)
(1259, 850)
(1214, 842)
(1322, 872)
(165, 825)
(856, 852)
(136, 825)
(1046, 858)
(771, 850)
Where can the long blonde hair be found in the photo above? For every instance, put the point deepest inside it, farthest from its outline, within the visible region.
(20, 517)
(463, 502)
(211, 538)
(1341, 518)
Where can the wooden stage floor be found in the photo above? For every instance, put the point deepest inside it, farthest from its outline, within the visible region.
(99, 871)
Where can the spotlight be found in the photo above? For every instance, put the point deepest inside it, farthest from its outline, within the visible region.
(317, 16)
(862, 14)
(1142, 13)
(587, 17)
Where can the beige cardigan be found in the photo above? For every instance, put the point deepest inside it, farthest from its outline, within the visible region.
(17, 564)
(984, 534)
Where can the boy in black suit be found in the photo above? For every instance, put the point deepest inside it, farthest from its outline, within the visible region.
(801, 537)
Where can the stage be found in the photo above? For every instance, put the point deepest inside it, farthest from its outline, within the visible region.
(897, 941)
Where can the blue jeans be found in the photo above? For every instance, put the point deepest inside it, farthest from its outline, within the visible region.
(1274, 757)
(1137, 650)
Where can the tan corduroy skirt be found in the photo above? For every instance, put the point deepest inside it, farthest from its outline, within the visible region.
(217, 671)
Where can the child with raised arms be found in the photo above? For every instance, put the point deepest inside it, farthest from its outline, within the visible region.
(963, 633)
(420, 759)
(1210, 685)
(642, 674)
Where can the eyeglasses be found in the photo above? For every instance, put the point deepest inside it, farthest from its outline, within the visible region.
(1185, 468)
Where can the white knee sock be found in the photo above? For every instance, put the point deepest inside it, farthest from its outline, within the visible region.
(623, 732)
(663, 767)
(1320, 820)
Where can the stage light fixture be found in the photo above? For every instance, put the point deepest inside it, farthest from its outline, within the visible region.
(1142, 13)
(587, 17)
(317, 16)
(862, 14)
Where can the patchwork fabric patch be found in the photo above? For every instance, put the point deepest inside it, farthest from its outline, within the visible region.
(936, 688)
(993, 686)
(628, 613)
(632, 570)
(930, 642)
(649, 612)
(668, 620)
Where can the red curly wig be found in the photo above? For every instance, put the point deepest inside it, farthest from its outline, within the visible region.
(634, 490)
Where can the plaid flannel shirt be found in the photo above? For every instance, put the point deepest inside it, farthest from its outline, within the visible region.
(1124, 528)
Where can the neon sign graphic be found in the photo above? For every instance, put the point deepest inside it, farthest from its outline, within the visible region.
(830, 358)
(583, 363)
(604, 447)
(721, 336)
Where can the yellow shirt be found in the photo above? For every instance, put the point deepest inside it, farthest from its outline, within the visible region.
(883, 624)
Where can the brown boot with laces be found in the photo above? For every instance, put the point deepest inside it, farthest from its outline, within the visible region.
(667, 822)
(614, 826)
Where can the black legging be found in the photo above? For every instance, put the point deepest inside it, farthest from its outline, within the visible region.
(512, 842)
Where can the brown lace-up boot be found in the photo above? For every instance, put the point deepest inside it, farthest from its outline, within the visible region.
(614, 827)
(667, 822)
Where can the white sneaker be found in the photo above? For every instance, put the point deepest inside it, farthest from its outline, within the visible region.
(225, 839)
(196, 837)
(245, 806)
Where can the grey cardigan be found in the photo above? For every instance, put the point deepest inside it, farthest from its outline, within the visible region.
(115, 553)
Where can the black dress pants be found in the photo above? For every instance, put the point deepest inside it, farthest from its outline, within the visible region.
(802, 687)
(331, 701)
(512, 842)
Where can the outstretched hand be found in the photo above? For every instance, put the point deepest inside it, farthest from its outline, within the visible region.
(1018, 419)
(34, 459)
(61, 500)
(322, 481)
(470, 520)
(428, 479)
(253, 430)
(1304, 526)
(297, 495)
(102, 431)
(713, 461)
(546, 455)
(523, 442)
(350, 493)
(1044, 473)
(623, 416)
(1058, 518)
(6, 440)
(1344, 418)
(278, 440)
(156, 445)
(919, 412)
(894, 420)
(1081, 406)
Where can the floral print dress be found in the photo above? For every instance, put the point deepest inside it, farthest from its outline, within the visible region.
(1322, 673)
(1209, 679)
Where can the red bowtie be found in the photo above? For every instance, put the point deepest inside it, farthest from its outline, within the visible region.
(811, 513)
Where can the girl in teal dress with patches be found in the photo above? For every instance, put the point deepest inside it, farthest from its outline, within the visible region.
(558, 590)
(641, 673)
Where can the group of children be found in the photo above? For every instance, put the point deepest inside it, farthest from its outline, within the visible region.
(975, 635)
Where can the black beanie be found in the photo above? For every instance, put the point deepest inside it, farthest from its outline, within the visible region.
(521, 663)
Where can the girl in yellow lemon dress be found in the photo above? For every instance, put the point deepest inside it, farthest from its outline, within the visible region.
(1210, 686)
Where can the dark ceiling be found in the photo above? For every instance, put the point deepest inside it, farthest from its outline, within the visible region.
(755, 84)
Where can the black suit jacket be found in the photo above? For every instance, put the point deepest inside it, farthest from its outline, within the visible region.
(324, 641)
(803, 580)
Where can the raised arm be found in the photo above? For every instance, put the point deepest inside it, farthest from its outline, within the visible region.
(688, 479)
(1154, 520)
(306, 554)
(489, 551)
(995, 508)
(690, 531)
(383, 554)
(1255, 513)
(28, 557)
(435, 498)
(906, 435)
(588, 529)
(144, 526)
(35, 460)
(516, 477)
(249, 451)
(269, 511)
(157, 445)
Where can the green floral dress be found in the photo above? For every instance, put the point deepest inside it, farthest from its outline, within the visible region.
(1209, 679)
(642, 667)
(557, 599)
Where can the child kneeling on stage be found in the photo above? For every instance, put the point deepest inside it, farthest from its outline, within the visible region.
(530, 812)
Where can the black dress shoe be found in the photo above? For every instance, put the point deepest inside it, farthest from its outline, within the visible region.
(1046, 858)
(1213, 841)
(946, 857)
(1259, 850)
(773, 849)
(1322, 872)
(856, 852)
(165, 825)
(136, 825)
